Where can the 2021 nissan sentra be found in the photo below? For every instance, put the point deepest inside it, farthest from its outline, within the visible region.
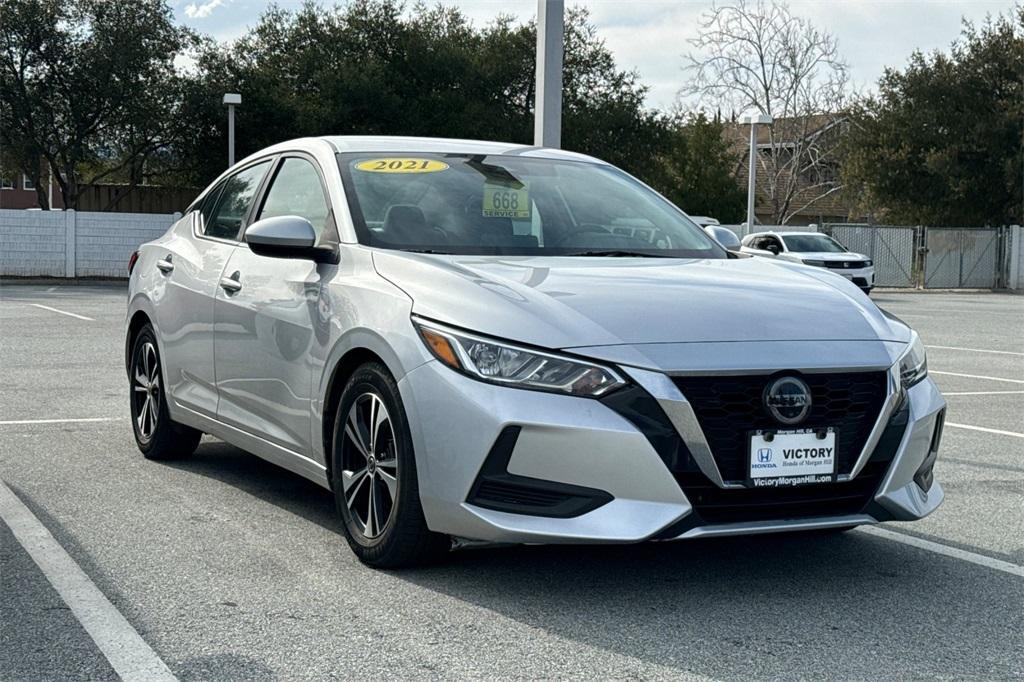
(493, 342)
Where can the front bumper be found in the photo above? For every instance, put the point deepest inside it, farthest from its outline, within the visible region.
(457, 422)
(862, 277)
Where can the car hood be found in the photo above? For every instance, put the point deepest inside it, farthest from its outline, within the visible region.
(829, 255)
(565, 302)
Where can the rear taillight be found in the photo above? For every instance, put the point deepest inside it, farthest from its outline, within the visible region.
(132, 260)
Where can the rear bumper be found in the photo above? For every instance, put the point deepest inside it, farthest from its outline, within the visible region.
(583, 444)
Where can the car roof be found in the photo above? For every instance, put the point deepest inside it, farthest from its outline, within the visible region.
(394, 143)
(400, 144)
(784, 233)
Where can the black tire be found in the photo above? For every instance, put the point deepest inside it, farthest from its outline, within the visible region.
(402, 539)
(159, 438)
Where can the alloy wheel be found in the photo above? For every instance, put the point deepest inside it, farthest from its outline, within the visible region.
(146, 391)
(369, 474)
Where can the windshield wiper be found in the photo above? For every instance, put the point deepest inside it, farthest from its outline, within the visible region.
(442, 253)
(617, 253)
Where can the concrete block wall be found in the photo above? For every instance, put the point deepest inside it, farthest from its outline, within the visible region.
(74, 244)
(105, 241)
(32, 243)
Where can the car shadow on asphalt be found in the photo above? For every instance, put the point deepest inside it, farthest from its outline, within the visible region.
(764, 606)
(261, 479)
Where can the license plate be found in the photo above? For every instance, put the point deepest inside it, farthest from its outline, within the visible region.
(788, 457)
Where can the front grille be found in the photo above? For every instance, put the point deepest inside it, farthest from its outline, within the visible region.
(843, 264)
(728, 505)
(729, 407)
(712, 504)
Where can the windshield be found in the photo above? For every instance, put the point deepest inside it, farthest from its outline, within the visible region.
(510, 205)
(813, 243)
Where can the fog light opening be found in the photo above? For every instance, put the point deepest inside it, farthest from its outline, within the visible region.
(925, 475)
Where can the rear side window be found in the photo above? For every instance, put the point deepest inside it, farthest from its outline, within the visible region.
(235, 198)
(296, 190)
(209, 203)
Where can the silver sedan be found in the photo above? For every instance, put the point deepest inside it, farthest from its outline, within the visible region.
(476, 341)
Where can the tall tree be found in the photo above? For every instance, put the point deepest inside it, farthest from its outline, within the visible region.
(941, 143)
(90, 87)
(371, 67)
(756, 55)
(694, 169)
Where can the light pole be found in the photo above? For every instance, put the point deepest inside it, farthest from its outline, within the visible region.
(231, 99)
(547, 116)
(753, 120)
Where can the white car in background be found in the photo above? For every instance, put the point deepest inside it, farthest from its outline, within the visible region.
(812, 248)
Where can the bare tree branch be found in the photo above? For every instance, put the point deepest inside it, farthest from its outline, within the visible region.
(755, 55)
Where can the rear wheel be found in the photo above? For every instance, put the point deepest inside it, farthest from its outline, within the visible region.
(156, 435)
(374, 475)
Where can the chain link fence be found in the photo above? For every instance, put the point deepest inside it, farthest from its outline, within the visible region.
(930, 257)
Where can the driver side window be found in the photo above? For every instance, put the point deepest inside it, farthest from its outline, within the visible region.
(296, 190)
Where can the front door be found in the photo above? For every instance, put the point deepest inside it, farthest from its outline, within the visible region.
(265, 313)
(187, 276)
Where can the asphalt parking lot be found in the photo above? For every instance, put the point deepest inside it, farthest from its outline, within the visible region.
(231, 568)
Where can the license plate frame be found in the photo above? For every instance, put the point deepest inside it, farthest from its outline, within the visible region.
(803, 470)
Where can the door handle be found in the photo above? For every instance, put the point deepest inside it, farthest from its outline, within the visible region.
(165, 266)
(230, 284)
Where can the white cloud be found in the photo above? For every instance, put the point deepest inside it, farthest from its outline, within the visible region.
(194, 11)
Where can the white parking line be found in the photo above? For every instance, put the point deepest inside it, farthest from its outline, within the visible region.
(62, 312)
(978, 350)
(948, 393)
(977, 376)
(12, 422)
(982, 428)
(128, 654)
(964, 555)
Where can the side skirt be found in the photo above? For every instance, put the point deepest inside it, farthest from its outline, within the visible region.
(282, 457)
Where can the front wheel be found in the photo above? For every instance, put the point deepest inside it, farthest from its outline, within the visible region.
(156, 435)
(374, 475)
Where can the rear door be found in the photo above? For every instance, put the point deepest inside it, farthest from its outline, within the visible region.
(187, 274)
(265, 317)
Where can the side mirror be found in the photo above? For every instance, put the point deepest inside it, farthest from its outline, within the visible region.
(773, 249)
(723, 236)
(287, 236)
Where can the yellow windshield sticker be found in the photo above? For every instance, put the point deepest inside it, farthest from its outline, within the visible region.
(506, 201)
(401, 165)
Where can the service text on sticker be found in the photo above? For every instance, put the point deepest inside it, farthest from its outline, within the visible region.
(395, 165)
(505, 201)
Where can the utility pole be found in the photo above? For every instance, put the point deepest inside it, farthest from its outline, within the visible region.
(547, 122)
(753, 120)
(231, 99)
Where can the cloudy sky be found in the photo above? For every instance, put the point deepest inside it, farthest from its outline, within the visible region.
(651, 35)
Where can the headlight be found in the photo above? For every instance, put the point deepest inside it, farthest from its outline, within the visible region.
(913, 363)
(499, 362)
(818, 263)
(868, 263)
